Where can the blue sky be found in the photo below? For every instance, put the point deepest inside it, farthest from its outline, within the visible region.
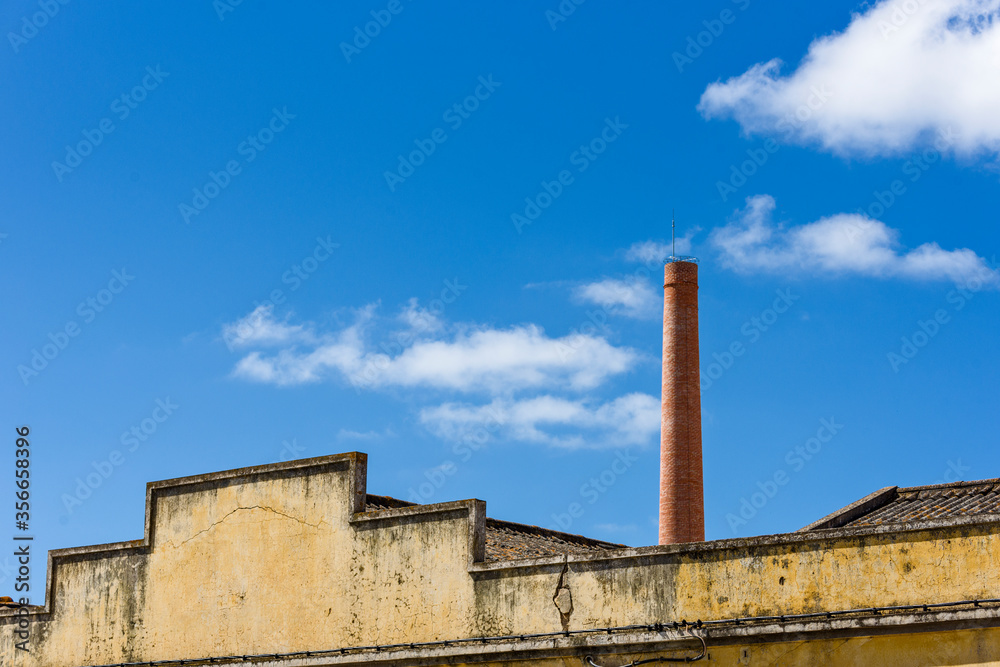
(236, 234)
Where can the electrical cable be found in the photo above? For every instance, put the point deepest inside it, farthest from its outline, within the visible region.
(704, 652)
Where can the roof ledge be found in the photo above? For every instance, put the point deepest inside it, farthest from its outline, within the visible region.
(858, 508)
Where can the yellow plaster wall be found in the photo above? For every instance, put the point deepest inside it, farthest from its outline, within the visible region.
(273, 563)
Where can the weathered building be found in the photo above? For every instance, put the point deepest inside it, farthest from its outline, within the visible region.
(295, 564)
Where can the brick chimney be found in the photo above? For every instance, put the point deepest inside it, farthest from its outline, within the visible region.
(682, 502)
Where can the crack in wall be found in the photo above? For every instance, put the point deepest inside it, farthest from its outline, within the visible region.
(563, 598)
(252, 507)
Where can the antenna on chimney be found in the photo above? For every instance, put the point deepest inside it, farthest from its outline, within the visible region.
(674, 257)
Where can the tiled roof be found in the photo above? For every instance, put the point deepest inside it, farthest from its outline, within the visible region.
(510, 541)
(917, 503)
(384, 503)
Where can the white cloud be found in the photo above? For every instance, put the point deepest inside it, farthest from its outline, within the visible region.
(632, 298)
(259, 328)
(646, 252)
(420, 320)
(845, 243)
(464, 358)
(902, 73)
(342, 351)
(347, 434)
(504, 359)
(633, 419)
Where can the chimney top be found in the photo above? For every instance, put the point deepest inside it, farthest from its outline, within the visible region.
(674, 257)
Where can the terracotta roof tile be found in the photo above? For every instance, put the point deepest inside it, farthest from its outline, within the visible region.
(509, 541)
(917, 503)
(943, 501)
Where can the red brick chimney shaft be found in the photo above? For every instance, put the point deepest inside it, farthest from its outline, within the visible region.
(682, 502)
